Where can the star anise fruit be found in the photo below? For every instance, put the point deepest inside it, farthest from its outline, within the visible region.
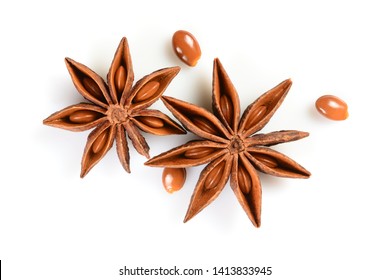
(117, 108)
(229, 147)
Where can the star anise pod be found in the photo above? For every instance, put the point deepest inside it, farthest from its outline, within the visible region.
(229, 146)
(117, 108)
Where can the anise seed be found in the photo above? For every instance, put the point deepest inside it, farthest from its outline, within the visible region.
(147, 91)
(120, 78)
(203, 124)
(83, 116)
(153, 122)
(186, 47)
(227, 108)
(256, 116)
(244, 180)
(92, 87)
(214, 176)
(332, 107)
(98, 144)
(173, 179)
(196, 153)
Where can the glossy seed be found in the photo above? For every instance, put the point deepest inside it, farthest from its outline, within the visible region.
(173, 179)
(147, 91)
(120, 79)
(203, 124)
(226, 108)
(186, 47)
(256, 116)
(92, 88)
(83, 116)
(214, 176)
(153, 122)
(332, 107)
(100, 141)
(200, 152)
(244, 180)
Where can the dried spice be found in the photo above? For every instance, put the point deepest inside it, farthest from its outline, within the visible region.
(229, 146)
(186, 47)
(173, 179)
(332, 107)
(117, 108)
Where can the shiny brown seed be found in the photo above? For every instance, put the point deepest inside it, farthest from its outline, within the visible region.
(173, 179)
(83, 116)
(226, 108)
(256, 116)
(147, 91)
(332, 107)
(203, 124)
(186, 47)
(200, 152)
(244, 180)
(98, 145)
(92, 88)
(214, 176)
(153, 122)
(120, 78)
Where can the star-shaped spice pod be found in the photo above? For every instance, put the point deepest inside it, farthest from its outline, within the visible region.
(229, 147)
(118, 108)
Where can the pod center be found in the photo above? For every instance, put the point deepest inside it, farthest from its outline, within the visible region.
(117, 114)
(236, 145)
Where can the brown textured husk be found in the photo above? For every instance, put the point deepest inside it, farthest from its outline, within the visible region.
(234, 142)
(114, 109)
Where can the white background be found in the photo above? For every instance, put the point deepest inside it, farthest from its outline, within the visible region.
(335, 225)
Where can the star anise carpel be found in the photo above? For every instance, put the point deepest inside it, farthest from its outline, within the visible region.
(116, 108)
(229, 146)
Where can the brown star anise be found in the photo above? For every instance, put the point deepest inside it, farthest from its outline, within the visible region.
(117, 108)
(228, 147)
